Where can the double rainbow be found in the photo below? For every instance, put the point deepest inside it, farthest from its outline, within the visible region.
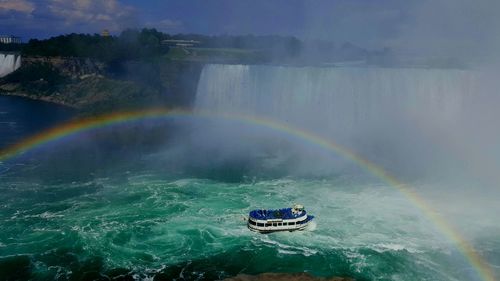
(481, 267)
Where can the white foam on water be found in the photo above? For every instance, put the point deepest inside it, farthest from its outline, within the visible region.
(312, 226)
(383, 247)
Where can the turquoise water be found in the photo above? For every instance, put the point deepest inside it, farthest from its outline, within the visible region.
(87, 209)
(143, 225)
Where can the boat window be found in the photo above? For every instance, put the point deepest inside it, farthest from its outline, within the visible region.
(260, 224)
(268, 224)
(251, 222)
(275, 224)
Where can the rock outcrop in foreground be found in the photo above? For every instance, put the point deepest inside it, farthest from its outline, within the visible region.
(284, 277)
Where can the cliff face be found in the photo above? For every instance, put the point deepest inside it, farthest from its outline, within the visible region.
(176, 80)
(93, 86)
(71, 67)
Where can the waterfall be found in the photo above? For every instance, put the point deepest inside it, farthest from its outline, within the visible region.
(337, 101)
(402, 118)
(17, 64)
(9, 63)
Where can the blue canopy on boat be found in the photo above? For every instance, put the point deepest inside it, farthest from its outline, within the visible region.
(285, 214)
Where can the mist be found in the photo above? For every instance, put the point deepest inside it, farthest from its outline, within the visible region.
(415, 119)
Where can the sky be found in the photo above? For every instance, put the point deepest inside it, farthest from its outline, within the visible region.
(440, 26)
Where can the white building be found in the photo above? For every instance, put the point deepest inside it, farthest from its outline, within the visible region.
(180, 43)
(10, 39)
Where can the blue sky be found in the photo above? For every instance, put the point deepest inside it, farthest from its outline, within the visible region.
(443, 25)
(40, 18)
(365, 22)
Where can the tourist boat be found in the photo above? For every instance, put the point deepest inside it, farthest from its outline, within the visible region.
(287, 219)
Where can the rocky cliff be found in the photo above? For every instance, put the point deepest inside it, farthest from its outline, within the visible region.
(71, 67)
(93, 86)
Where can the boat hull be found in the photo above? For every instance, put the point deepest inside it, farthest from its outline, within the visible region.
(276, 230)
(280, 226)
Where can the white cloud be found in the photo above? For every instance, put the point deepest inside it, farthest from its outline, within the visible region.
(54, 17)
(22, 6)
(108, 14)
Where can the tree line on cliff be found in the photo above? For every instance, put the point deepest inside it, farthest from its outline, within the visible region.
(133, 44)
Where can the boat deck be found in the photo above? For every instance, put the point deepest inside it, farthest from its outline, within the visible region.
(284, 214)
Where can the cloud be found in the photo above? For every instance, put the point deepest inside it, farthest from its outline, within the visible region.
(22, 6)
(52, 17)
(108, 14)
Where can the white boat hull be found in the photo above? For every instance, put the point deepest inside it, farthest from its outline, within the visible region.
(276, 228)
(266, 226)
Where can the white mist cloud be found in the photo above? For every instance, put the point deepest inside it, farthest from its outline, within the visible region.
(368, 23)
(459, 28)
(432, 28)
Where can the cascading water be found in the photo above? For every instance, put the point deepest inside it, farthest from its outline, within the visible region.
(389, 115)
(335, 101)
(17, 64)
(9, 63)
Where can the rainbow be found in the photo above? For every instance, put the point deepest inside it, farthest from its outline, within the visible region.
(481, 267)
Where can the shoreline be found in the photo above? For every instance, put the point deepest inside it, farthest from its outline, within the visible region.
(41, 99)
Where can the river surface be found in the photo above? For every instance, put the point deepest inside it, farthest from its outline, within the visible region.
(98, 207)
(20, 117)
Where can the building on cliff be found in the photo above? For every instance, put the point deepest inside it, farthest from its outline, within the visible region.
(180, 43)
(10, 39)
(105, 33)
